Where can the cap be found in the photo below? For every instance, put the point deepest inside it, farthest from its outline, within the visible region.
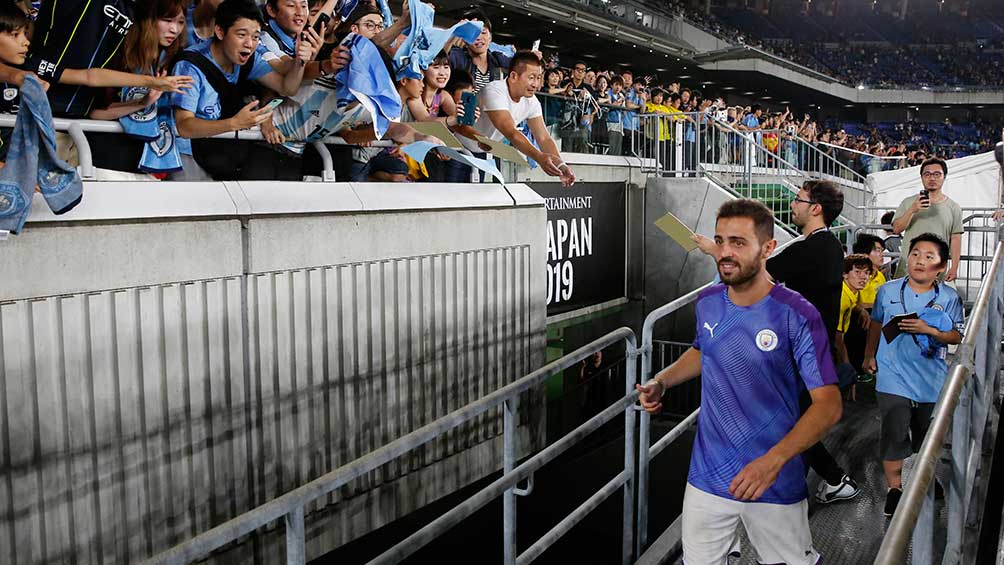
(388, 164)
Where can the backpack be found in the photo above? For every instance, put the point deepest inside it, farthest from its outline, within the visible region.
(222, 158)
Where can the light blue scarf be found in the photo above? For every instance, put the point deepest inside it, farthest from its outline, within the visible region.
(367, 80)
(32, 160)
(507, 50)
(424, 41)
(388, 18)
(155, 125)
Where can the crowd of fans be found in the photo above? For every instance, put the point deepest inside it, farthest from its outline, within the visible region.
(178, 74)
(921, 52)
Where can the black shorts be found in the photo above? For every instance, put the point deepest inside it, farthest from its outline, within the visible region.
(904, 425)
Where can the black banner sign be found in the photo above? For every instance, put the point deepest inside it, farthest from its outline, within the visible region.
(585, 244)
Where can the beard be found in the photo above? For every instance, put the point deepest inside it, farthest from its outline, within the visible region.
(741, 275)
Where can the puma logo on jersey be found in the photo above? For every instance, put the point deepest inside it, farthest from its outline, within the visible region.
(711, 329)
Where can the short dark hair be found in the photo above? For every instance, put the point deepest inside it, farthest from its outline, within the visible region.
(865, 243)
(828, 196)
(627, 72)
(887, 218)
(12, 18)
(442, 59)
(617, 80)
(459, 80)
(229, 11)
(522, 59)
(755, 108)
(857, 260)
(935, 161)
(479, 15)
(673, 96)
(763, 220)
(941, 244)
(362, 10)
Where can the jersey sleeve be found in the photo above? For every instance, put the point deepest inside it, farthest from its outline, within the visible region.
(846, 305)
(955, 311)
(188, 99)
(810, 346)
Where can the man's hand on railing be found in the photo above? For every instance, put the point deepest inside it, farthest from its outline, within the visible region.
(998, 215)
(554, 166)
(249, 117)
(651, 396)
(271, 134)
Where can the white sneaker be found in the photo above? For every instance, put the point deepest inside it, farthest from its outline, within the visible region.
(846, 490)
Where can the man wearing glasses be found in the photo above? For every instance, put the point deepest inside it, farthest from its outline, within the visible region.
(931, 211)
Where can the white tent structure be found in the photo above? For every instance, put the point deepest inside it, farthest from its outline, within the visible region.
(974, 182)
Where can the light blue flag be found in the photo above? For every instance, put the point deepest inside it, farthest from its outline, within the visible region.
(345, 8)
(420, 149)
(367, 80)
(424, 41)
(388, 18)
(507, 50)
(161, 155)
(141, 124)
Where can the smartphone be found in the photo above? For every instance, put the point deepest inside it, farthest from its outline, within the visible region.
(273, 104)
(322, 19)
(470, 102)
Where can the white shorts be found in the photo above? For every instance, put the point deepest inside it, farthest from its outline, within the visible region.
(779, 532)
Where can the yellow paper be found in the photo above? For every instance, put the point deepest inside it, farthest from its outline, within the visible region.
(437, 129)
(503, 151)
(677, 230)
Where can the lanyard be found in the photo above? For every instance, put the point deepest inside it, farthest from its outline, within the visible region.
(902, 302)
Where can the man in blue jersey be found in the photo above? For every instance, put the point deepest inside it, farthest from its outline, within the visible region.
(758, 346)
(911, 368)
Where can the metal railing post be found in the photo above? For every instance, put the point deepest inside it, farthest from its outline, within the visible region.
(327, 164)
(627, 547)
(509, 549)
(83, 150)
(644, 442)
(296, 553)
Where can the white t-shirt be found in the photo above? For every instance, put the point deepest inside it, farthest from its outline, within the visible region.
(495, 96)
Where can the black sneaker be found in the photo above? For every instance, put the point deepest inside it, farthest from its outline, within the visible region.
(892, 501)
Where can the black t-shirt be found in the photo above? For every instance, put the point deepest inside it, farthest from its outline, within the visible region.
(814, 268)
(76, 34)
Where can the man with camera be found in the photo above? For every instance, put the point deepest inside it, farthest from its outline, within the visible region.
(913, 321)
(931, 212)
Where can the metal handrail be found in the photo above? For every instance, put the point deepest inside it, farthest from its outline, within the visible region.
(904, 523)
(290, 506)
(76, 129)
(856, 177)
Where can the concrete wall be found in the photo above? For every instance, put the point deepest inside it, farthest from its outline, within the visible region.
(174, 354)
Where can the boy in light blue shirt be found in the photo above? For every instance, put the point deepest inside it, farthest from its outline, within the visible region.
(911, 367)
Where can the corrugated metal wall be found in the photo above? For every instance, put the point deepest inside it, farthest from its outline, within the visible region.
(133, 419)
